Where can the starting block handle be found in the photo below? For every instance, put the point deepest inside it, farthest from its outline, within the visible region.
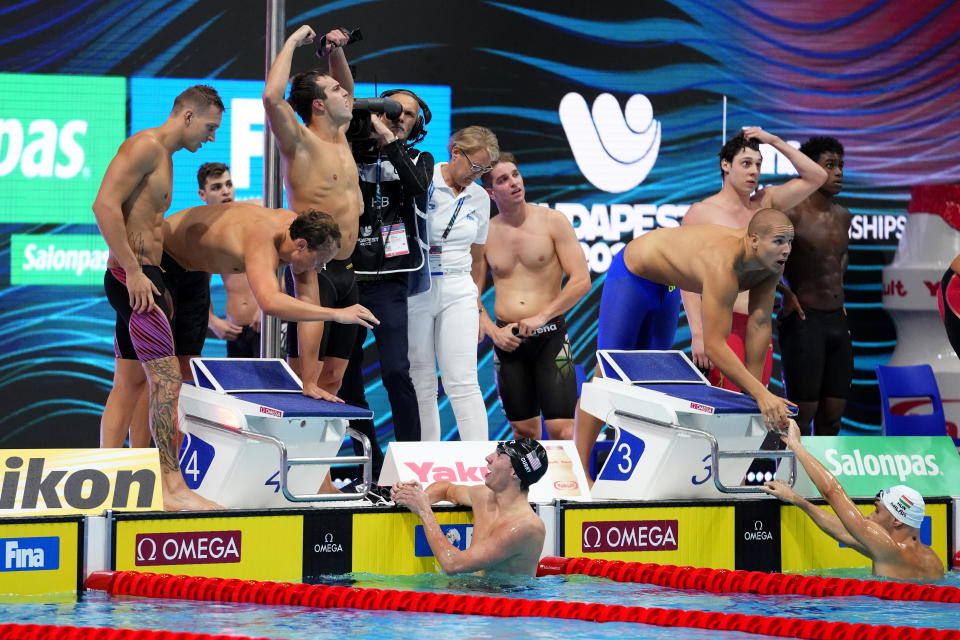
(285, 462)
(716, 454)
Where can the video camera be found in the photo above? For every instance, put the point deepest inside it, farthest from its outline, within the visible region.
(358, 133)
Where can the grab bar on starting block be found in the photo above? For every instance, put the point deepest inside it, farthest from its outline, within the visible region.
(366, 460)
(716, 454)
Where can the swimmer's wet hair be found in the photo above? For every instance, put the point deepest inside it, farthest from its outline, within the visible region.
(487, 179)
(818, 145)
(315, 227)
(474, 138)
(735, 145)
(210, 170)
(765, 219)
(199, 95)
(304, 90)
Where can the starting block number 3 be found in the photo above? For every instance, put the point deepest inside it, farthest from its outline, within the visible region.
(623, 458)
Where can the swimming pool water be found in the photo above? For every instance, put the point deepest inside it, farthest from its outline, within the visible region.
(97, 609)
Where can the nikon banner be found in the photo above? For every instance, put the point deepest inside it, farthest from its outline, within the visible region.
(866, 464)
(87, 481)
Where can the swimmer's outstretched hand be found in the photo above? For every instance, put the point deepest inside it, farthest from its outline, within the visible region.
(775, 410)
(791, 435)
(356, 314)
(780, 489)
(311, 389)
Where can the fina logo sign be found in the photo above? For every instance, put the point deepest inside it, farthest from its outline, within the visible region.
(614, 149)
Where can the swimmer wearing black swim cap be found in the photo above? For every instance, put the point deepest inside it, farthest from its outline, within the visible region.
(528, 457)
(508, 534)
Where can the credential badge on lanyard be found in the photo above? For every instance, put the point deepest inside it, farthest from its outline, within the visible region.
(436, 251)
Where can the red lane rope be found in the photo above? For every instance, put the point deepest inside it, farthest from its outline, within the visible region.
(319, 596)
(726, 581)
(53, 632)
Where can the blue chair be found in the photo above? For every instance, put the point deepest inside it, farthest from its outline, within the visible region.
(915, 381)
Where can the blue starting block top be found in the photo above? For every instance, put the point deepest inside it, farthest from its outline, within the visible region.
(301, 406)
(269, 383)
(645, 367)
(673, 374)
(229, 375)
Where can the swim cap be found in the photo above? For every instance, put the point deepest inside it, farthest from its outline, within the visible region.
(904, 503)
(528, 457)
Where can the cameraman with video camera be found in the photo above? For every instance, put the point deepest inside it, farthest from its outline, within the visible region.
(394, 180)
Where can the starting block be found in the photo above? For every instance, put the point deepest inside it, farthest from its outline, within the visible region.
(672, 429)
(253, 440)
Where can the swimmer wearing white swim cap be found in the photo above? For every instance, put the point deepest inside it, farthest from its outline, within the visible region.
(890, 536)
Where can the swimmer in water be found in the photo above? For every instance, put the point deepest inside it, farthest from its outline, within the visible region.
(507, 534)
(890, 536)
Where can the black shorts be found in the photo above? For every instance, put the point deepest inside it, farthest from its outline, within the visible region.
(139, 336)
(190, 291)
(538, 376)
(816, 355)
(338, 290)
(247, 344)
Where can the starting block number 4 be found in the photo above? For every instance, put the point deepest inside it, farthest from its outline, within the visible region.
(195, 458)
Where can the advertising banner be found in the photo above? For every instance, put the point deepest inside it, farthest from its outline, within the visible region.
(54, 152)
(39, 558)
(394, 544)
(680, 535)
(58, 259)
(465, 463)
(68, 481)
(247, 547)
(866, 464)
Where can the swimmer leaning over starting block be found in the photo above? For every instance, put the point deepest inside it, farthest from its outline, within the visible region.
(719, 263)
(890, 536)
(238, 237)
(507, 535)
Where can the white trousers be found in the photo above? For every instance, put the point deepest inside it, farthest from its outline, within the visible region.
(442, 329)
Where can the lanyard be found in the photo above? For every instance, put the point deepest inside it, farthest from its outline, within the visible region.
(453, 219)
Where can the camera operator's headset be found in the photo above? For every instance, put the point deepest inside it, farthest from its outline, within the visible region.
(418, 132)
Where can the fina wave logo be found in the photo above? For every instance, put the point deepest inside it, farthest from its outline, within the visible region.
(614, 149)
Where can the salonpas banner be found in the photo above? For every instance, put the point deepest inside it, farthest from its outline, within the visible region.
(57, 259)
(866, 464)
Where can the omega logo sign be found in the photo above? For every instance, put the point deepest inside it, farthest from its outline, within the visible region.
(189, 547)
(632, 535)
(328, 546)
(758, 533)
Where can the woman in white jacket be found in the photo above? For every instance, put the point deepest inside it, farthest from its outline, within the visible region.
(443, 321)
